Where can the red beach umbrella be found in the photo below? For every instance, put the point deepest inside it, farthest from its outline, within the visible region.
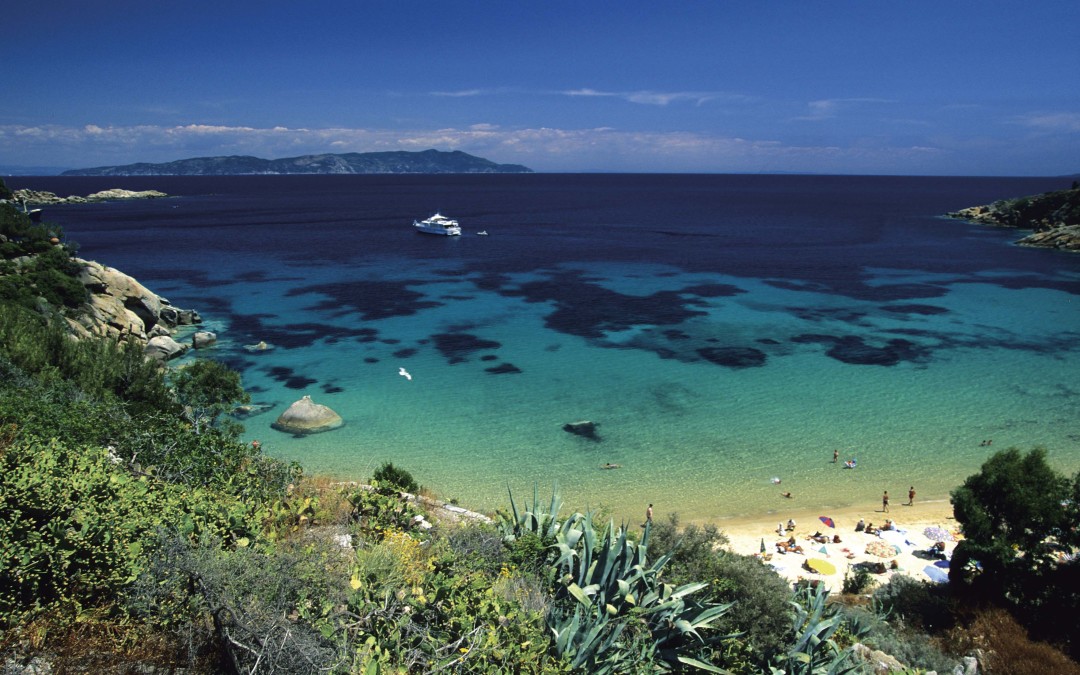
(827, 520)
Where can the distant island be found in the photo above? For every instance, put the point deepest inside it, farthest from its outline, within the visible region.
(426, 161)
(1053, 217)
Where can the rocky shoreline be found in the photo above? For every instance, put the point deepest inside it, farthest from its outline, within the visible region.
(44, 198)
(1053, 217)
(120, 308)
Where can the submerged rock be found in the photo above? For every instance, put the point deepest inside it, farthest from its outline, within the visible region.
(307, 417)
(584, 428)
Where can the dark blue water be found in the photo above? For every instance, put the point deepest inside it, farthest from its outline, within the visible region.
(723, 329)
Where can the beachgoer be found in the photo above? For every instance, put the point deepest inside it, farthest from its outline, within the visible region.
(861, 525)
(835, 456)
(780, 529)
(609, 465)
(836, 539)
(885, 502)
(911, 496)
(786, 495)
(790, 524)
(648, 514)
(256, 444)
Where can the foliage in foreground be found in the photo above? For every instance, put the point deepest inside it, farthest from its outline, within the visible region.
(613, 612)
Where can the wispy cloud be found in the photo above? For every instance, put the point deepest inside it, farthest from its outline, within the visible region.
(829, 108)
(1067, 121)
(464, 93)
(661, 98)
(542, 148)
(643, 97)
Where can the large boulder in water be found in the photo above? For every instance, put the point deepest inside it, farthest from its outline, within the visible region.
(307, 417)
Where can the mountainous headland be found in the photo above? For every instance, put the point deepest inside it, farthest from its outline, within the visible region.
(1054, 217)
(424, 162)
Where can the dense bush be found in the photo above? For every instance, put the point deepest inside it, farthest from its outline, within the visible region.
(395, 478)
(76, 525)
(760, 598)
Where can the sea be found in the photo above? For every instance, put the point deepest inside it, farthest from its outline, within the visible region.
(724, 334)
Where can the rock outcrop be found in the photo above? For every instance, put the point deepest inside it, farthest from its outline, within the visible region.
(1054, 218)
(307, 417)
(42, 197)
(163, 348)
(120, 308)
(203, 339)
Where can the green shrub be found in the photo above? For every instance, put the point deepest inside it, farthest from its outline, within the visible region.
(377, 514)
(391, 476)
(760, 610)
(857, 582)
(917, 603)
(76, 525)
(247, 608)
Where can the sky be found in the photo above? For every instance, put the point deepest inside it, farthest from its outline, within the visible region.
(910, 87)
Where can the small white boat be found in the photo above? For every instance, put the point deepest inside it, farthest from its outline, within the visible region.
(438, 224)
(482, 233)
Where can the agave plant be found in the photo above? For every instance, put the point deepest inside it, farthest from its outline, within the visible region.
(814, 651)
(609, 587)
(533, 520)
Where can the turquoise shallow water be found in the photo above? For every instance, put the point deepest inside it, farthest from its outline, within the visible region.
(843, 313)
(703, 441)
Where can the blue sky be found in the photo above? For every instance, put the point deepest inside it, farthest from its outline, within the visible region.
(942, 87)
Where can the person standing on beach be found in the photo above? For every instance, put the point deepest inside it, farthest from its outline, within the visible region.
(911, 496)
(885, 502)
(648, 515)
(835, 456)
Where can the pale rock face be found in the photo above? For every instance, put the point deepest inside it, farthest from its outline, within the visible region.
(164, 348)
(119, 305)
(203, 339)
(307, 417)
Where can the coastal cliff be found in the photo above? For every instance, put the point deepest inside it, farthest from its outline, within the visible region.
(1053, 217)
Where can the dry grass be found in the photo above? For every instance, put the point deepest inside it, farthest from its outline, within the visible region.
(333, 508)
(1008, 648)
(93, 646)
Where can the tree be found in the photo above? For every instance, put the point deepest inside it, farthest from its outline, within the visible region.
(1014, 515)
(207, 390)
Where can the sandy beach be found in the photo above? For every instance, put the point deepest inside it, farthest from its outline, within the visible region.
(906, 544)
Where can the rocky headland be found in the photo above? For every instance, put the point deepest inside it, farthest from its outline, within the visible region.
(120, 308)
(43, 198)
(1053, 217)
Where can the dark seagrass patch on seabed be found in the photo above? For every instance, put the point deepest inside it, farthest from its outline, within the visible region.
(854, 350)
(922, 310)
(289, 377)
(503, 369)
(457, 347)
(372, 299)
(734, 357)
(588, 310)
(252, 328)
